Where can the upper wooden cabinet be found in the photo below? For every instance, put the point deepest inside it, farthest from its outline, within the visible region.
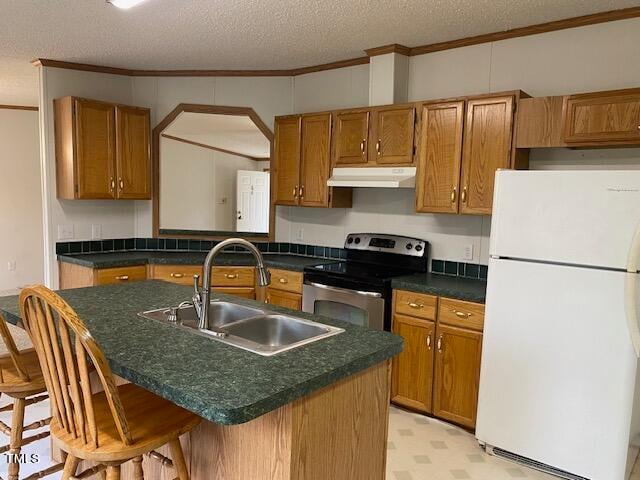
(440, 156)
(351, 138)
(603, 118)
(302, 163)
(392, 135)
(102, 150)
(487, 147)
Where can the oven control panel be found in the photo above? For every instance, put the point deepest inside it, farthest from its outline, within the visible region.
(378, 242)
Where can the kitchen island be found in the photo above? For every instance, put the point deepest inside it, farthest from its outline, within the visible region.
(315, 412)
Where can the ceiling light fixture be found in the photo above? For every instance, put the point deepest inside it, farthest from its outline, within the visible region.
(124, 4)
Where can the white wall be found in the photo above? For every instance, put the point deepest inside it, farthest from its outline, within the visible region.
(116, 218)
(21, 239)
(193, 182)
(597, 57)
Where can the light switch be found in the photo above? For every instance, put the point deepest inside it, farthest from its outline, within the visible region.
(96, 231)
(468, 252)
(65, 232)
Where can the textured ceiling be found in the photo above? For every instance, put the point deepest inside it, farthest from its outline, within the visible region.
(254, 34)
(230, 132)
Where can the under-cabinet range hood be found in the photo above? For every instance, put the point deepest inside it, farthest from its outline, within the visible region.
(381, 177)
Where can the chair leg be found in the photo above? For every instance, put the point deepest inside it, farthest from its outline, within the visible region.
(113, 472)
(177, 456)
(138, 473)
(15, 444)
(70, 467)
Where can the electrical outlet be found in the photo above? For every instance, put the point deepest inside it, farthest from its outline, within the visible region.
(11, 266)
(468, 252)
(65, 232)
(300, 234)
(96, 231)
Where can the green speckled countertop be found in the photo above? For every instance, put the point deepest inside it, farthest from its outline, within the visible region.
(219, 382)
(449, 286)
(126, 259)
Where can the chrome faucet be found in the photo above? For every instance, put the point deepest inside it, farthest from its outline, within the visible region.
(201, 296)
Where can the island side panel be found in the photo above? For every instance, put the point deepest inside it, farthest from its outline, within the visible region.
(338, 432)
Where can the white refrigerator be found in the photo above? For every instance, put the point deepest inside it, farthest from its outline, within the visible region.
(559, 377)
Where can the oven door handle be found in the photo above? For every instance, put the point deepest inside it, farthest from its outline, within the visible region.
(346, 290)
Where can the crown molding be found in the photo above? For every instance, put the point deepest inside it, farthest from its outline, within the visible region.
(602, 17)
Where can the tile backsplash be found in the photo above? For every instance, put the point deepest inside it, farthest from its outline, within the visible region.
(445, 267)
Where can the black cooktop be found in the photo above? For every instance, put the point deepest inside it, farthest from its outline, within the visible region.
(359, 270)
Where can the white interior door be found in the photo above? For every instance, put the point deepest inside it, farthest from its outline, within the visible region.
(252, 213)
(558, 367)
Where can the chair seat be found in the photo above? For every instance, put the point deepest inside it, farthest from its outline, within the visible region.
(12, 384)
(153, 421)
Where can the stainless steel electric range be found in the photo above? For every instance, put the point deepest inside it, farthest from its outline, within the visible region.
(358, 289)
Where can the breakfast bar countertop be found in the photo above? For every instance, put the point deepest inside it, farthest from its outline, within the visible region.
(219, 382)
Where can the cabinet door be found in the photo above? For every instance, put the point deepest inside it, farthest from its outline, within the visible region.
(133, 162)
(284, 299)
(412, 376)
(457, 375)
(602, 118)
(95, 149)
(315, 161)
(244, 292)
(487, 147)
(392, 136)
(287, 160)
(351, 135)
(438, 172)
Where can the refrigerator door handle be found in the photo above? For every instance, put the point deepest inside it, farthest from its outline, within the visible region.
(631, 292)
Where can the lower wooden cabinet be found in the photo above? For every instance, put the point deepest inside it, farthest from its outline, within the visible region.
(413, 368)
(244, 292)
(457, 374)
(181, 274)
(285, 299)
(77, 276)
(438, 372)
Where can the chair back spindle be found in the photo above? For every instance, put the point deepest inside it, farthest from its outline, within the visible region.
(65, 350)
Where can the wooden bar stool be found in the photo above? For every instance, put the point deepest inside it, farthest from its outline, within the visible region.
(22, 380)
(107, 428)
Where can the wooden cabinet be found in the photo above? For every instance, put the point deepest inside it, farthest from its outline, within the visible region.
(438, 371)
(302, 163)
(77, 276)
(457, 374)
(392, 135)
(603, 118)
(244, 292)
(181, 274)
(351, 138)
(487, 147)
(102, 150)
(287, 160)
(440, 156)
(285, 289)
(413, 369)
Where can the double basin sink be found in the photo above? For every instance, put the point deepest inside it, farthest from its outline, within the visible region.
(256, 330)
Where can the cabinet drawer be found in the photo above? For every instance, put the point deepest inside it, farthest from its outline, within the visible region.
(182, 274)
(416, 304)
(233, 276)
(106, 276)
(283, 298)
(461, 314)
(243, 292)
(286, 280)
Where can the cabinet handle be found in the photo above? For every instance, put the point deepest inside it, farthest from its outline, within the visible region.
(378, 146)
(301, 191)
(460, 314)
(283, 280)
(417, 306)
(295, 191)
(429, 342)
(362, 144)
(439, 346)
(122, 278)
(464, 195)
(230, 276)
(454, 195)
(177, 275)
(112, 184)
(121, 183)
(638, 127)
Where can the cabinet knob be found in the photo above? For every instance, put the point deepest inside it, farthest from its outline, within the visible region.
(121, 183)
(283, 280)
(177, 275)
(454, 195)
(417, 306)
(439, 345)
(460, 314)
(301, 191)
(295, 191)
(429, 342)
(464, 195)
(112, 184)
(378, 146)
(122, 278)
(230, 276)
(362, 144)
